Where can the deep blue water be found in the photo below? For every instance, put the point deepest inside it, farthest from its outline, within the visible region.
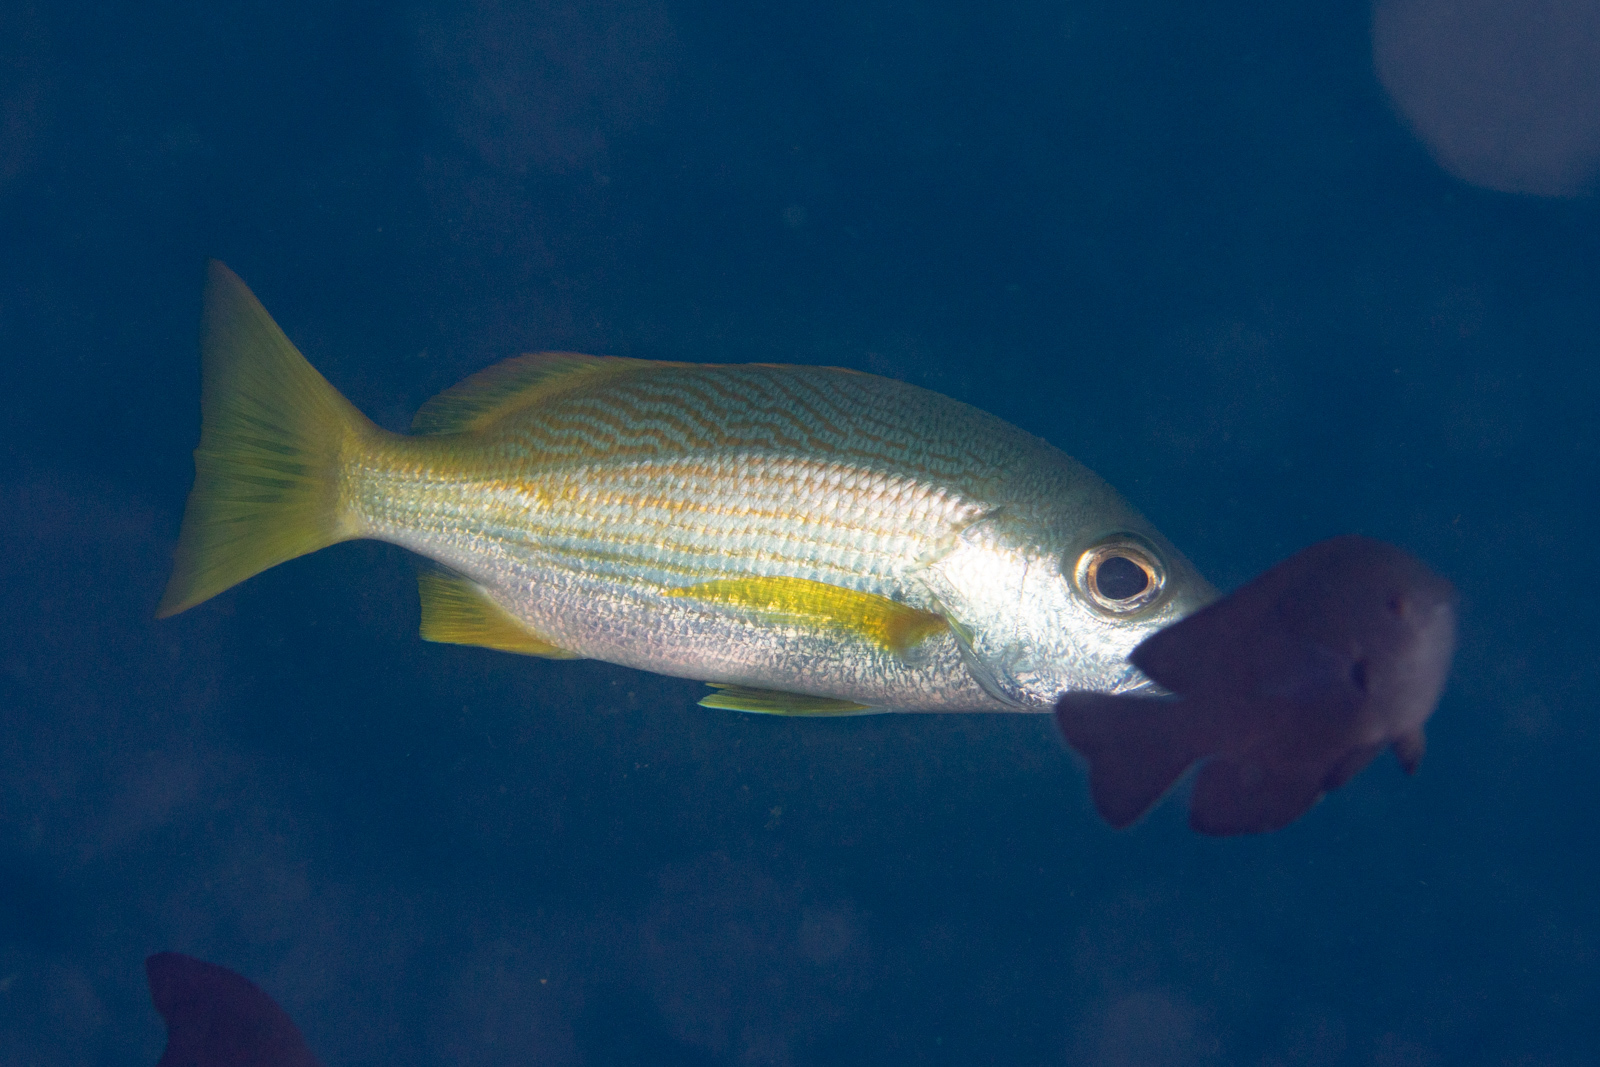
(1194, 245)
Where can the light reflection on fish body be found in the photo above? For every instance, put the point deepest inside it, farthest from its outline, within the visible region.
(811, 540)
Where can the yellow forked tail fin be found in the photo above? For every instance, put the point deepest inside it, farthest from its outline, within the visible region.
(272, 434)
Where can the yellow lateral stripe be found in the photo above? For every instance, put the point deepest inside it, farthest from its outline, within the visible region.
(887, 623)
(774, 702)
(456, 611)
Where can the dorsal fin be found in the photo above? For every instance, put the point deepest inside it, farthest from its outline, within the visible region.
(510, 385)
(457, 611)
(776, 702)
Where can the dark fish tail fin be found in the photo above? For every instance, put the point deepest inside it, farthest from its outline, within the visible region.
(216, 1018)
(1137, 748)
(267, 472)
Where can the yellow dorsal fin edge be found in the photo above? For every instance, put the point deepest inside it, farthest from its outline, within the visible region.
(457, 611)
(511, 385)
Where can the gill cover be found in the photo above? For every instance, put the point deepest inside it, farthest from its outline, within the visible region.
(1029, 617)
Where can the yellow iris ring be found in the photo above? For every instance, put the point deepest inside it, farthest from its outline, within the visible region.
(1137, 552)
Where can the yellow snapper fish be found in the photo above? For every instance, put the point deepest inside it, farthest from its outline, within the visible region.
(808, 540)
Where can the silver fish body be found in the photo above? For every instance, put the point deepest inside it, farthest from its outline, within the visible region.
(670, 517)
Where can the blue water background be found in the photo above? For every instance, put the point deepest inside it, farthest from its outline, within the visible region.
(1192, 245)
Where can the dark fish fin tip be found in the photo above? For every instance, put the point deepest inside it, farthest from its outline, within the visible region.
(1137, 748)
(218, 1018)
(1409, 748)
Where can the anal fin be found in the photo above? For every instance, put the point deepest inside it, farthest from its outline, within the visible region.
(458, 611)
(775, 702)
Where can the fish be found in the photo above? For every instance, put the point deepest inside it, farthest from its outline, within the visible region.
(1282, 691)
(217, 1018)
(807, 540)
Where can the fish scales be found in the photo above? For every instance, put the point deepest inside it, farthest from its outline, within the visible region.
(801, 529)
(638, 488)
(636, 500)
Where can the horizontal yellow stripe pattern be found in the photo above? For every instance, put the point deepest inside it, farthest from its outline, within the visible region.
(586, 512)
(678, 472)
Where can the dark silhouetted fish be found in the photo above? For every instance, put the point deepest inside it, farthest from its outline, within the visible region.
(1285, 689)
(216, 1018)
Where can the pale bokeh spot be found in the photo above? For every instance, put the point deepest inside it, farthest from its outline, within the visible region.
(1504, 93)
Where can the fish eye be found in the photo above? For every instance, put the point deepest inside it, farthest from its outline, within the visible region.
(1120, 578)
(1120, 575)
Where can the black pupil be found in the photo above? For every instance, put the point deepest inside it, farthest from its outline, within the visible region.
(1119, 578)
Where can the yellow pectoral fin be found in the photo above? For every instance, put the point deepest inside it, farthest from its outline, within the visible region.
(457, 611)
(773, 702)
(889, 624)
